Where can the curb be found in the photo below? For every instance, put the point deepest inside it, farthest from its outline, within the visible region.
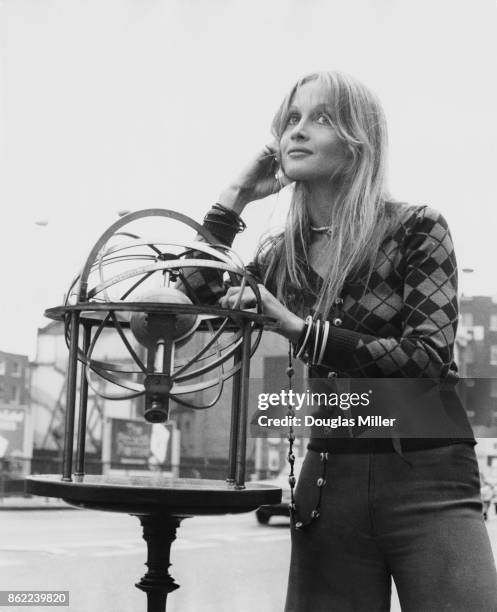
(32, 503)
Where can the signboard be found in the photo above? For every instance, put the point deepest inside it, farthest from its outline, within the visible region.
(130, 442)
(139, 445)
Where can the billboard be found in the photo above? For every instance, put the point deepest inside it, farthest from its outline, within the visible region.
(135, 444)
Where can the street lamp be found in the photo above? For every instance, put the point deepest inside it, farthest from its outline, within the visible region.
(161, 319)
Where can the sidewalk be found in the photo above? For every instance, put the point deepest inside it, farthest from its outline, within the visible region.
(33, 502)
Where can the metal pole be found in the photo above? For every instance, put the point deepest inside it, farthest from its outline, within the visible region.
(243, 410)
(72, 371)
(83, 403)
(235, 413)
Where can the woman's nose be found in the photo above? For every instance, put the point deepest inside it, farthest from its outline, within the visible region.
(299, 131)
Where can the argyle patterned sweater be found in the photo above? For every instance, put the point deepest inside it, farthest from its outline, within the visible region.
(404, 322)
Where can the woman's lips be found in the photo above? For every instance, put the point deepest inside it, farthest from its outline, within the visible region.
(298, 152)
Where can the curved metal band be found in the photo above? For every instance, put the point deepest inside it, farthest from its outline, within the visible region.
(58, 312)
(203, 247)
(164, 265)
(141, 214)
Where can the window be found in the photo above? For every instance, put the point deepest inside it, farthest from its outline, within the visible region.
(493, 388)
(493, 322)
(15, 393)
(467, 319)
(16, 368)
(493, 354)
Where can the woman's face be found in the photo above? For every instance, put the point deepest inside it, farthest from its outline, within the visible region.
(310, 148)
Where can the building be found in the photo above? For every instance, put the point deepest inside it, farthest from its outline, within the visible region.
(15, 427)
(477, 359)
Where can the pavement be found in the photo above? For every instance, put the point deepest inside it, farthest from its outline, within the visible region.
(32, 502)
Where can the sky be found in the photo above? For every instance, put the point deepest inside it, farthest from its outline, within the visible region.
(132, 104)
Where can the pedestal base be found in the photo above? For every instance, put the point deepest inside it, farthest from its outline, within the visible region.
(159, 532)
(160, 503)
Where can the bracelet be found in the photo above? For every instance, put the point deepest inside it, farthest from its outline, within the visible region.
(223, 223)
(324, 341)
(311, 345)
(303, 338)
(231, 214)
(316, 341)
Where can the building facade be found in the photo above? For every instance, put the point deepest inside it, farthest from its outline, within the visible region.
(15, 426)
(477, 360)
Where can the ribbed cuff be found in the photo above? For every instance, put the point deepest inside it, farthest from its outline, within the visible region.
(224, 233)
(340, 346)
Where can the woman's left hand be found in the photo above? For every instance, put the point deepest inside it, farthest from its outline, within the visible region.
(287, 324)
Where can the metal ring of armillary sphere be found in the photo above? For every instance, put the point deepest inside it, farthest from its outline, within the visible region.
(162, 317)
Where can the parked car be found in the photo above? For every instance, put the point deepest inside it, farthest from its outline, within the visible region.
(264, 513)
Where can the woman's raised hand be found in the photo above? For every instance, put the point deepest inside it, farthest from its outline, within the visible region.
(261, 178)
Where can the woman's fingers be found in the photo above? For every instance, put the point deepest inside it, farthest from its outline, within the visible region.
(279, 179)
(236, 298)
(263, 176)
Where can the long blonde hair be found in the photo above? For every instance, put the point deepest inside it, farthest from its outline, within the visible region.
(359, 218)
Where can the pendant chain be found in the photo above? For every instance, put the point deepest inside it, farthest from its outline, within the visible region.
(298, 523)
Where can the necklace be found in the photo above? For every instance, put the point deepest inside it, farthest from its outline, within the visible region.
(324, 229)
(321, 481)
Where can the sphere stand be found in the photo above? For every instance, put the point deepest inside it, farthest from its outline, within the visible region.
(159, 533)
(159, 501)
(159, 321)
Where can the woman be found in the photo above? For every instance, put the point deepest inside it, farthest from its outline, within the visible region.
(363, 287)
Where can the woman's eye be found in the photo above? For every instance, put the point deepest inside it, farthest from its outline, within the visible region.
(292, 120)
(323, 119)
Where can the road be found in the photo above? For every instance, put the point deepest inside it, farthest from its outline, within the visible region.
(223, 564)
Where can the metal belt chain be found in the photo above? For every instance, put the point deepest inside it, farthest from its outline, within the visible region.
(297, 522)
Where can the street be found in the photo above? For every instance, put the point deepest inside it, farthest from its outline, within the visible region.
(223, 564)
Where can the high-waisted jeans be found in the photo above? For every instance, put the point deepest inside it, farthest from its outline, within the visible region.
(416, 519)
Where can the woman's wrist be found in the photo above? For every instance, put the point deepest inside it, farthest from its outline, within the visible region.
(233, 199)
(293, 328)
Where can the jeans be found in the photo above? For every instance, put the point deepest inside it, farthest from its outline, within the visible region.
(416, 519)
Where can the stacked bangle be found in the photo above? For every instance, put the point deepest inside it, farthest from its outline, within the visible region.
(311, 345)
(300, 347)
(223, 223)
(326, 331)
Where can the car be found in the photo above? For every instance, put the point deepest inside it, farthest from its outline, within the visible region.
(264, 513)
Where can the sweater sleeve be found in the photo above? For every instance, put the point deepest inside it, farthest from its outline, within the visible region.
(429, 313)
(206, 285)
